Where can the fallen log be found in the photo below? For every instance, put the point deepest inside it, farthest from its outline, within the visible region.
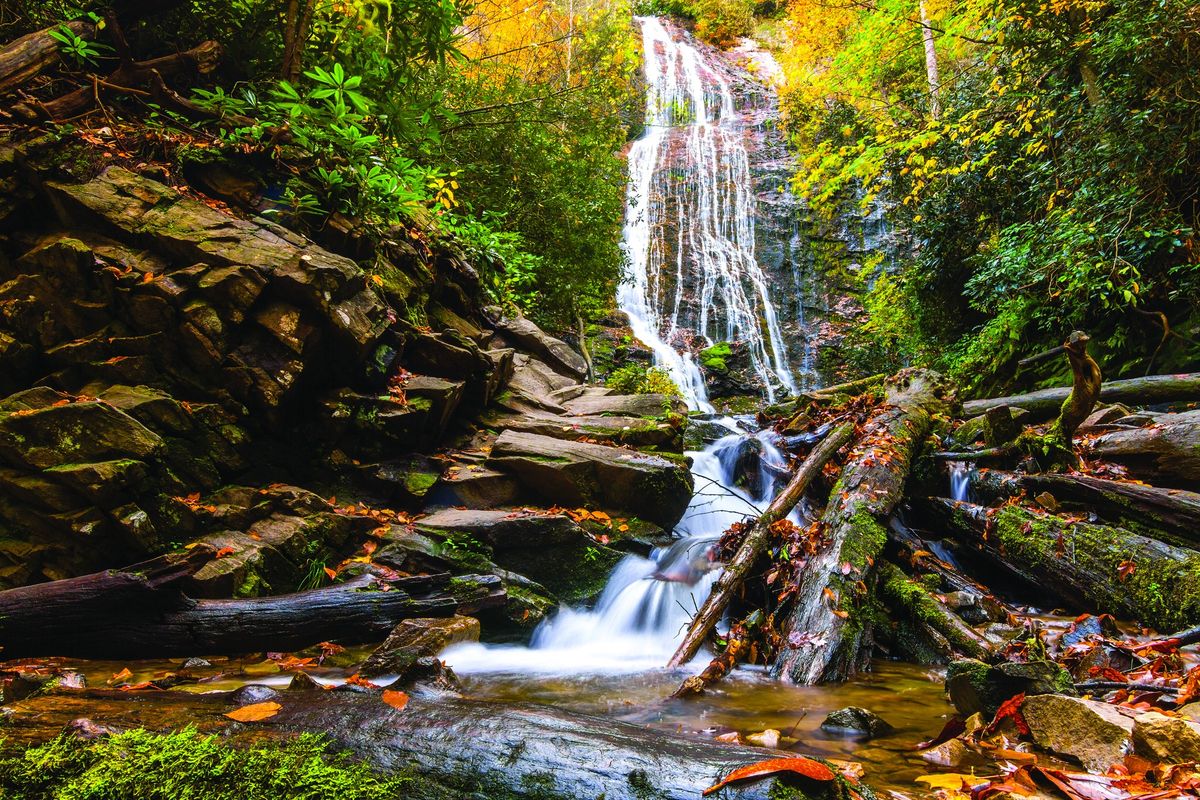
(1043, 403)
(735, 572)
(827, 636)
(138, 612)
(911, 600)
(468, 748)
(1174, 512)
(24, 58)
(1087, 567)
(1165, 453)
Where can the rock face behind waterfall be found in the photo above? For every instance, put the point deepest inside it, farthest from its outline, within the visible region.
(173, 373)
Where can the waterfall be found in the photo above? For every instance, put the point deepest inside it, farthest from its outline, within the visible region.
(640, 618)
(960, 480)
(689, 230)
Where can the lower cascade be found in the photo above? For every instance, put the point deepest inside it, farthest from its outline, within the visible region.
(646, 605)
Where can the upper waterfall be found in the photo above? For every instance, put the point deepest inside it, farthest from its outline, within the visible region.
(690, 222)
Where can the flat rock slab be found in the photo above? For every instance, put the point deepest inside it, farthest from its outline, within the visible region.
(576, 473)
(654, 406)
(557, 353)
(1096, 734)
(1168, 740)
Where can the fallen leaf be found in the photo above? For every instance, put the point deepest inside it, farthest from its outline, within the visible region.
(120, 677)
(804, 767)
(397, 700)
(945, 780)
(255, 712)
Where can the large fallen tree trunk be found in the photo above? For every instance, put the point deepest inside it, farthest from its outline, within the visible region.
(138, 612)
(827, 637)
(1045, 403)
(1166, 452)
(24, 58)
(468, 747)
(1088, 567)
(735, 572)
(913, 604)
(1173, 512)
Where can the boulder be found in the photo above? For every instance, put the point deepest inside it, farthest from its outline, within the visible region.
(555, 352)
(418, 638)
(65, 432)
(653, 406)
(977, 687)
(636, 431)
(1097, 735)
(576, 473)
(474, 487)
(536, 384)
(856, 721)
(549, 548)
(1167, 740)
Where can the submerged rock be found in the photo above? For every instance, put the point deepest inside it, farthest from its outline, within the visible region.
(417, 638)
(977, 687)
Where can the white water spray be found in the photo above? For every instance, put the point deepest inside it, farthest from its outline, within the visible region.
(690, 193)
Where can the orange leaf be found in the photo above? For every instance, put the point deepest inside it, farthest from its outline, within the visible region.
(805, 767)
(255, 712)
(119, 677)
(225, 551)
(397, 700)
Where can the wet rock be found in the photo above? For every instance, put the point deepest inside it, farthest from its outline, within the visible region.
(72, 433)
(856, 721)
(555, 352)
(474, 487)
(253, 693)
(428, 673)
(1104, 415)
(196, 663)
(948, 754)
(654, 406)
(1096, 734)
(636, 431)
(977, 687)
(575, 473)
(549, 548)
(303, 682)
(1168, 740)
(417, 638)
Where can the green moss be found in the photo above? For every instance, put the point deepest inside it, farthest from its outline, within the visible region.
(187, 765)
(714, 359)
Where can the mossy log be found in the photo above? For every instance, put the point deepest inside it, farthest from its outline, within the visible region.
(22, 59)
(1087, 567)
(827, 636)
(468, 748)
(1043, 404)
(737, 645)
(1166, 453)
(755, 542)
(910, 600)
(1171, 514)
(138, 612)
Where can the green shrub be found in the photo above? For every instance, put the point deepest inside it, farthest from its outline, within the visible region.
(637, 379)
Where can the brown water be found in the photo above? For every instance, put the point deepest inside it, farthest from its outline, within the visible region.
(909, 697)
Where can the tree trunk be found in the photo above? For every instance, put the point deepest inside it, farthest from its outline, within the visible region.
(470, 747)
(931, 63)
(1088, 567)
(735, 572)
(138, 612)
(1044, 403)
(827, 637)
(1174, 512)
(1165, 453)
(737, 644)
(24, 58)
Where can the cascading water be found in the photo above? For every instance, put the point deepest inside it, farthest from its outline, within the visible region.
(960, 480)
(690, 223)
(648, 602)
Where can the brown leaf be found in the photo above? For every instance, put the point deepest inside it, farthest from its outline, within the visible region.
(120, 677)
(255, 712)
(397, 700)
(805, 767)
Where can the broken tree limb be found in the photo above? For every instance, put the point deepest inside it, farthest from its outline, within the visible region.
(467, 748)
(140, 613)
(1044, 403)
(912, 600)
(828, 393)
(1174, 512)
(1085, 391)
(735, 572)
(1166, 452)
(827, 636)
(23, 59)
(737, 644)
(1087, 567)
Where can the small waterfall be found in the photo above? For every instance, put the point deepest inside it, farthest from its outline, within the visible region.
(648, 602)
(960, 480)
(689, 223)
